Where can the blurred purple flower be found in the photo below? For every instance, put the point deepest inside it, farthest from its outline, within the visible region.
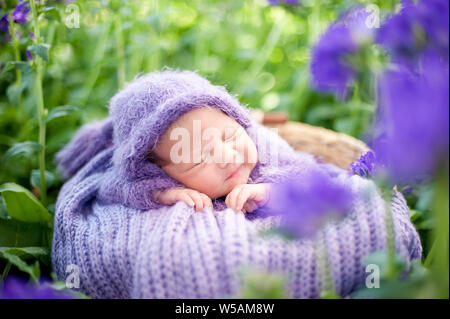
(365, 166)
(434, 18)
(416, 28)
(4, 23)
(414, 120)
(331, 68)
(19, 15)
(17, 289)
(306, 204)
(29, 55)
(20, 12)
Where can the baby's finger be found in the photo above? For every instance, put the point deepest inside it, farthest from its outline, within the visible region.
(185, 198)
(232, 197)
(242, 198)
(228, 198)
(198, 201)
(250, 206)
(206, 200)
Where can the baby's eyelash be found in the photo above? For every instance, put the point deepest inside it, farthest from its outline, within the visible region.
(229, 137)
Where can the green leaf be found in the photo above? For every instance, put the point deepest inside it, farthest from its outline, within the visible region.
(35, 252)
(20, 234)
(11, 65)
(7, 68)
(52, 12)
(22, 205)
(61, 111)
(33, 271)
(25, 149)
(35, 178)
(414, 215)
(40, 49)
(14, 91)
(23, 66)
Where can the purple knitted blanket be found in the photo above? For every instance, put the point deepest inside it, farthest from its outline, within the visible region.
(173, 252)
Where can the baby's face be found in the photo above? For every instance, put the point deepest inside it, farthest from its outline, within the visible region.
(208, 151)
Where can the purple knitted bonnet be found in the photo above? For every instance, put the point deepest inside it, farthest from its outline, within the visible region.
(145, 108)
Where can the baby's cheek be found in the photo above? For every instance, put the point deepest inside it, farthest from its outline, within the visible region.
(208, 182)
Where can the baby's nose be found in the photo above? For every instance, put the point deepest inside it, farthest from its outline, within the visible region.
(230, 156)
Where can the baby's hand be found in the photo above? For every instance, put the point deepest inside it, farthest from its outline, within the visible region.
(248, 197)
(189, 196)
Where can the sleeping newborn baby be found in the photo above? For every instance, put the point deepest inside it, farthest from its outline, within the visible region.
(173, 136)
(217, 164)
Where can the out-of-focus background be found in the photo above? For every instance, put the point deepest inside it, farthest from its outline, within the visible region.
(62, 62)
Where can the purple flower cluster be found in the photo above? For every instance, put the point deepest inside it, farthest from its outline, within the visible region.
(414, 119)
(306, 204)
(331, 68)
(19, 15)
(365, 166)
(413, 105)
(17, 289)
(417, 27)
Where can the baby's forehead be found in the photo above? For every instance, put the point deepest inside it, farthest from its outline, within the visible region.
(203, 118)
(199, 125)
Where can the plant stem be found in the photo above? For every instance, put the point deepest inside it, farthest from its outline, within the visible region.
(324, 268)
(15, 41)
(314, 23)
(438, 258)
(40, 106)
(390, 235)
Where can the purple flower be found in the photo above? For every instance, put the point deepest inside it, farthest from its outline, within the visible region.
(413, 119)
(331, 68)
(20, 13)
(29, 55)
(415, 29)
(365, 166)
(306, 204)
(4, 23)
(17, 289)
(434, 19)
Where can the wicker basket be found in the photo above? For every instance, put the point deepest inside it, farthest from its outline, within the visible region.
(326, 145)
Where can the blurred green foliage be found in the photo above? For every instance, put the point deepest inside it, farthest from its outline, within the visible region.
(259, 52)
